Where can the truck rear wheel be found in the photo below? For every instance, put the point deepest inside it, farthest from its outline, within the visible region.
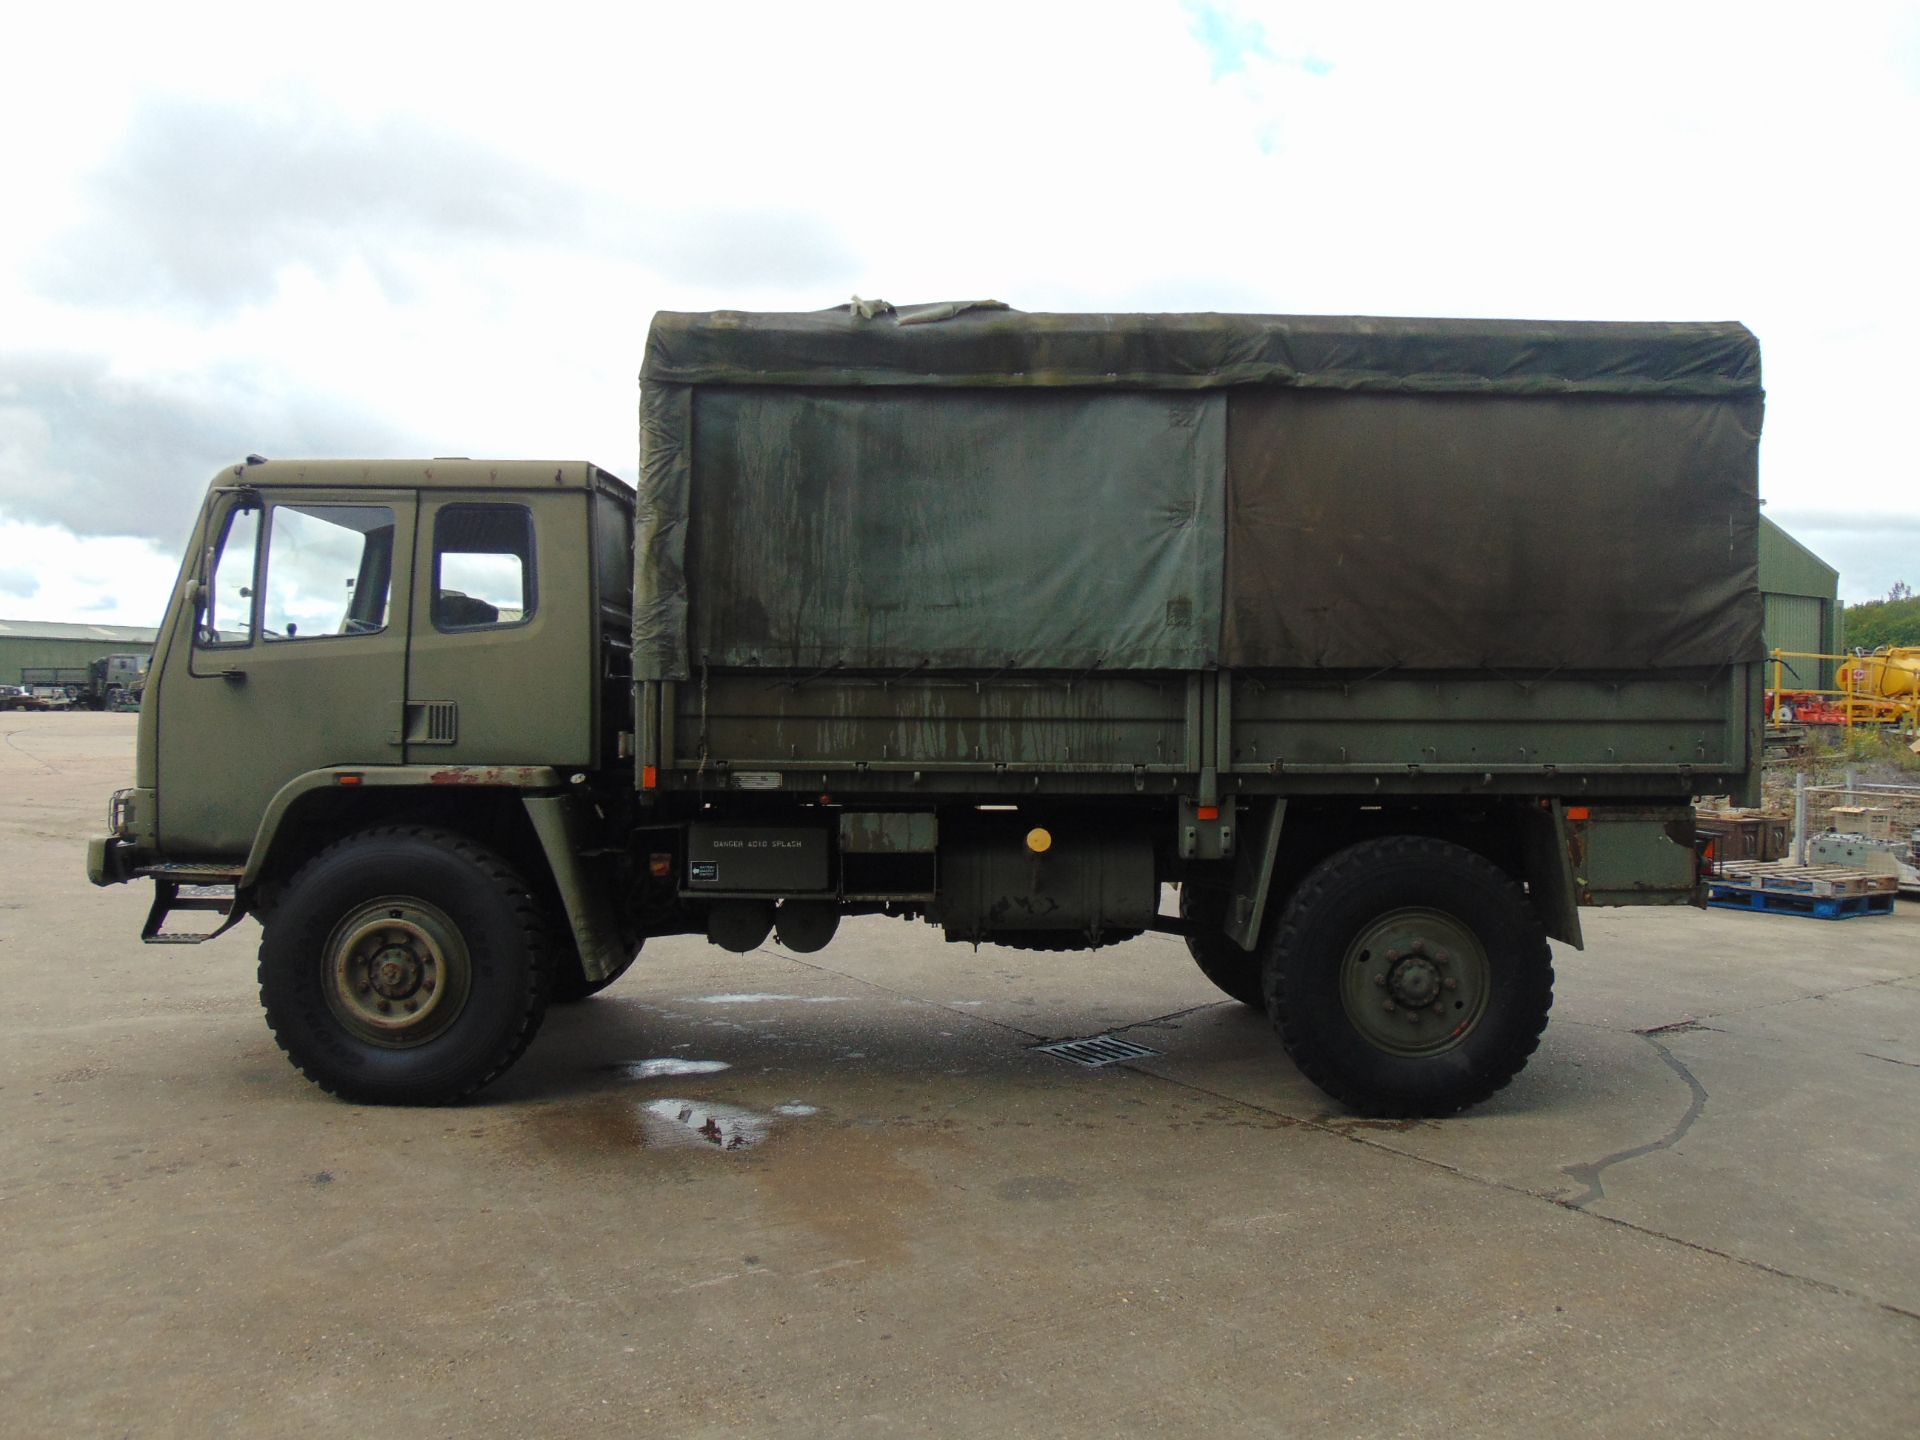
(405, 966)
(1238, 973)
(1408, 976)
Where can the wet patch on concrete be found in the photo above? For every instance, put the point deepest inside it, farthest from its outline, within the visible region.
(709, 1124)
(668, 1065)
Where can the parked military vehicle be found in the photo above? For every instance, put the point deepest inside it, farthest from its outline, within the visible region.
(1391, 643)
(61, 687)
(108, 683)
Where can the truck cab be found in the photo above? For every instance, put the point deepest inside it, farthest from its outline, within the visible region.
(400, 626)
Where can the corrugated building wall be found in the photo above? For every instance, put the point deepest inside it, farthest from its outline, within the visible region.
(1802, 596)
(46, 644)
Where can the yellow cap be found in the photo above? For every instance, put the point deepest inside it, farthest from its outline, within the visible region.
(1039, 841)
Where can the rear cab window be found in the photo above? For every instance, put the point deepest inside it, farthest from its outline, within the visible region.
(483, 570)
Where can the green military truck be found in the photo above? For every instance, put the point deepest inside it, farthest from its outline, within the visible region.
(1391, 643)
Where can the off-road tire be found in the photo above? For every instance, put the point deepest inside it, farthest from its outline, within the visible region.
(1367, 885)
(1239, 973)
(498, 934)
(570, 983)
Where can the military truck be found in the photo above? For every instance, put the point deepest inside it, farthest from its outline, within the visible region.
(1390, 643)
(107, 683)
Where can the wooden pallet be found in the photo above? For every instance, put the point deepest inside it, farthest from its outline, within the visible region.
(1723, 896)
(1824, 881)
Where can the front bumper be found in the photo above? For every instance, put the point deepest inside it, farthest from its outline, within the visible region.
(114, 858)
(110, 860)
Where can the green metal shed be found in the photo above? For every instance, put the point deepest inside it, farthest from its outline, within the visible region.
(1802, 596)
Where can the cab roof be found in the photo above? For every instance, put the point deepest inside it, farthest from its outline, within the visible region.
(439, 473)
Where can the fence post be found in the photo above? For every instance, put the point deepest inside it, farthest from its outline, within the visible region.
(1800, 818)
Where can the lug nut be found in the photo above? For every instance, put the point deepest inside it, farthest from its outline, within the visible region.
(385, 1008)
(1440, 957)
(1389, 1005)
(412, 1005)
(427, 985)
(1379, 979)
(1450, 983)
(1393, 954)
(1413, 1017)
(1419, 947)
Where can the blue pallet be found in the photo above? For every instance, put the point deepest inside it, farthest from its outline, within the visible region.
(1815, 907)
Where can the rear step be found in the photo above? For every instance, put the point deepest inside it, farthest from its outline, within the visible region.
(206, 881)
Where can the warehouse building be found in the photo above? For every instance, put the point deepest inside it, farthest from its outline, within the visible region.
(50, 645)
(1802, 596)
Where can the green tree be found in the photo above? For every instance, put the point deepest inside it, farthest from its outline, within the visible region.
(1892, 621)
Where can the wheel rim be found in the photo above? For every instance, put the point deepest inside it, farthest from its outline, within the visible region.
(1415, 982)
(396, 972)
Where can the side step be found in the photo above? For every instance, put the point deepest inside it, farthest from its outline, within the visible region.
(214, 889)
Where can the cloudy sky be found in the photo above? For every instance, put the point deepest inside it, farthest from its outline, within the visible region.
(391, 229)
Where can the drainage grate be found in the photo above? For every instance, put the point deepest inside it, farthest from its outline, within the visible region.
(1097, 1050)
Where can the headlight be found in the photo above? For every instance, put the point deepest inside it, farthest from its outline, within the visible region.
(120, 814)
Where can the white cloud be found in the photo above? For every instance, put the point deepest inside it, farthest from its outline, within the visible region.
(112, 580)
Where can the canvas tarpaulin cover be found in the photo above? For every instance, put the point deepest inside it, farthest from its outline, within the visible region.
(969, 487)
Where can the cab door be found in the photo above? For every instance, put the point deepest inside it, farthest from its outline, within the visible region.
(298, 661)
(501, 666)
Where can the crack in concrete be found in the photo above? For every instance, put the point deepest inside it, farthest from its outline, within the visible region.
(1334, 1130)
(1817, 995)
(1684, 1026)
(1588, 1173)
(1910, 1064)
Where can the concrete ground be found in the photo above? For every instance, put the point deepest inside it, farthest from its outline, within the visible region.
(1694, 1213)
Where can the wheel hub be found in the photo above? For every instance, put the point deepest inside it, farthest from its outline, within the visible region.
(397, 972)
(391, 972)
(1413, 982)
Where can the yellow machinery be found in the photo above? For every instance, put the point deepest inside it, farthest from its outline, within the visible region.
(1882, 688)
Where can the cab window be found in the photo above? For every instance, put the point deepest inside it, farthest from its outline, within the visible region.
(228, 616)
(482, 567)
(329, 571)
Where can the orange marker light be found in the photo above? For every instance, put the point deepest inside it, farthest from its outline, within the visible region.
(649, 777)
(1207, 812)
(348, 779)
(1579, 812)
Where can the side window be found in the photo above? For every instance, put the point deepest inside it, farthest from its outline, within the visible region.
(329, 571)
(482, 567)
(228, 617)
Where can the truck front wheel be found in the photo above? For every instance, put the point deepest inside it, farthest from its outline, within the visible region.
(1409, 976)
(405, 966)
